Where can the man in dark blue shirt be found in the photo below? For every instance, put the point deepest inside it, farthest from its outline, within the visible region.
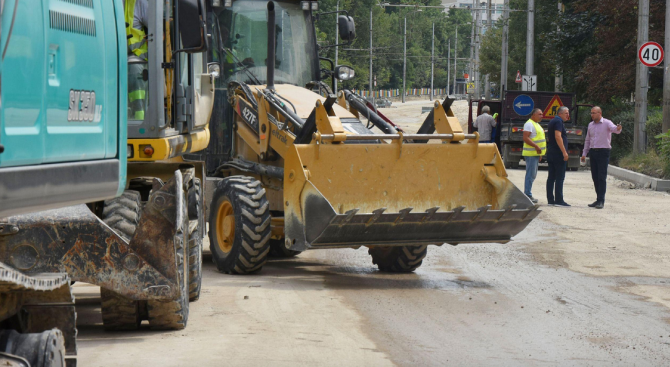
(557, 157)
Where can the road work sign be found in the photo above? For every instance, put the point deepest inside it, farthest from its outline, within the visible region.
(650, 54)
(471, 87)
(518, 77)
(523, 105)
(529, 83)
(552, 107)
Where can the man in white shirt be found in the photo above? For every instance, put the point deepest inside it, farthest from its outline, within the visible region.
(485, 124)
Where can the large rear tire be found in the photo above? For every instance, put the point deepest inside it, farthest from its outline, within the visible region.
(239, 226)
(122, 214)
(398, 259)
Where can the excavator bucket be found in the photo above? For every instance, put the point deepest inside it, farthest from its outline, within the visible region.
(398, 193)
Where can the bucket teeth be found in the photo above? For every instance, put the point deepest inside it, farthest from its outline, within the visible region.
(507, 211)
(402, 215)
(375, 216)
(429, 213)
(531, 211)
(349, 215)
(481, 212)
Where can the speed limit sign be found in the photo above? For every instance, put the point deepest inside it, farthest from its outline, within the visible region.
(650, 54)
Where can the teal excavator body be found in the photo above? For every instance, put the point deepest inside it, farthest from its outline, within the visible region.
(63, 121)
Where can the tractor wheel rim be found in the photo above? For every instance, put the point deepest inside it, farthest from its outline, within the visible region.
(225, 226)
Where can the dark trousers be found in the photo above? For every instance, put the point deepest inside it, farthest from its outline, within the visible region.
(600, 159)
(555, 180)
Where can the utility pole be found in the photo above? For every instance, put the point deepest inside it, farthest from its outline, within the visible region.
(404, 58)
(472, 46)
(337, 40)
(455, 59)
(487, 82)
(641, 81)
(558, 80)
(371, 52)
(666, 75)
(503, 64)
(478, 32)
(449, 65)
(530, 38)
(432, 63)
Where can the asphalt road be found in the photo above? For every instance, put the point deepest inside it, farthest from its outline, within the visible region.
(578, 287)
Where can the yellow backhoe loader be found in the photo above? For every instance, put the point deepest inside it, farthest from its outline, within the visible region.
(300, 171)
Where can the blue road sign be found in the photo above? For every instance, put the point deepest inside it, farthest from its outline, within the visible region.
(523, 105)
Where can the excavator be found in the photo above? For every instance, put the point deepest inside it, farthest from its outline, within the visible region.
(294, 167)
(93, 184)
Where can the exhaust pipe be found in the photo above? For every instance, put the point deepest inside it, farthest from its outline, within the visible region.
(270, 62)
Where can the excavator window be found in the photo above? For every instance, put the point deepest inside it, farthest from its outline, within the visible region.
(244, 33)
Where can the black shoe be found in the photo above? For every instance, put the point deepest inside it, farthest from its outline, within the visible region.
(564, 204)
(593, 204)
(600, 205)
(551, 203)
(534, 200)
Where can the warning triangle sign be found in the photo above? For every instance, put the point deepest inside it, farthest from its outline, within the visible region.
(552, 108)
(518, 77)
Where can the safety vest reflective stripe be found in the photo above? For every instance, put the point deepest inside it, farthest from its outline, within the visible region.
(137, 43)
(138, 94)
(529, 150)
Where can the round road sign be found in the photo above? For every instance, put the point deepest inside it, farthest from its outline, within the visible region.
(650, 54)
(523, 105)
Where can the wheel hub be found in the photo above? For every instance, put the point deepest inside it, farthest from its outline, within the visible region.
(225, 223)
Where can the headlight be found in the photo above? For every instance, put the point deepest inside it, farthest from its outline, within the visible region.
(344, 72)
(214, 70)
(305, 5)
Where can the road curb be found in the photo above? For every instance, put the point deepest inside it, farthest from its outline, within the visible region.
(639, 179)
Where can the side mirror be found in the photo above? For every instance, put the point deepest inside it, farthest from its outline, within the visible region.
(343, 72)
(347, 27)
(192, 26)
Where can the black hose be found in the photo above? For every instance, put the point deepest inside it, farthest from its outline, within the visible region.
(359, 106)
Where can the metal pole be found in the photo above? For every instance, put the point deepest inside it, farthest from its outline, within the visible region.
(432, 63)
(371, 52)
(478, 32)
(472, 46)
(404, 60)
(530, 38)
(503, 64)
(487, 81)
(449, 65)
(666, 76)
(558, 80)
(456, 60)
(337, 40)
(641, 81)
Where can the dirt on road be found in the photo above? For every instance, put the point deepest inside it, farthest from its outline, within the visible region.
(578, 287)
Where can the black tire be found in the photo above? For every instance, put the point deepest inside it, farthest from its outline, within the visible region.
(574, 169)
(398, 259)
(122, 214)
(279, 250)
(173, 314)
(196, 234)
(239, 204)
(515, 165)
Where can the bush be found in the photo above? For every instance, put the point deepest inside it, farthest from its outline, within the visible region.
(622, 144)
(650, 164)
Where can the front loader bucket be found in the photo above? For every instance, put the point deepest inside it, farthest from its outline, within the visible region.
(347, 195)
